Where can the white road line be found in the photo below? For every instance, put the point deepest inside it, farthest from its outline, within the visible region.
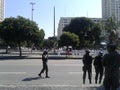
(66, 65)
(12, 72)
(54, 85)
(78, 72)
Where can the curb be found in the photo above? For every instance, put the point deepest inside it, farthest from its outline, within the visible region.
(30, 57)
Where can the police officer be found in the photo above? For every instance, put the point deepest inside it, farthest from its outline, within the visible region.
(111, 62)
(87, 66)
(45, 66)
(98, 67)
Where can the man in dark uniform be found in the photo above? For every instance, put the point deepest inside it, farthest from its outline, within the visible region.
(87, 62)
(111, 62)
(98, 67)
(45, 66)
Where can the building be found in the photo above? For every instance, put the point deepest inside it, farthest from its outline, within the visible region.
(64, 21)
(111, 8)
(2, 10)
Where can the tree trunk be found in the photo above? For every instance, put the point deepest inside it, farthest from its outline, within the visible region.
(20, 50)
(6, 49)
(67, 52)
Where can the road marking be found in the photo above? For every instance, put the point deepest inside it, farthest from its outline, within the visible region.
(78, 72)
(67, 65)
(54, 85)
(12, 72)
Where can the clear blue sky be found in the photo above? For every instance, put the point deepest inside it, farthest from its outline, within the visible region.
(43, 11)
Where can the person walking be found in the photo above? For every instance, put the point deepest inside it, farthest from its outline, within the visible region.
(87, 66)
(45, 66)
(98, 67)
(111, 63)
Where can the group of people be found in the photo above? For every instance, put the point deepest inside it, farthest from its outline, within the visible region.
(107, 64)
(87, 62)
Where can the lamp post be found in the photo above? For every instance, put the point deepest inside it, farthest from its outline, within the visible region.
(32, 3)
(32, 10)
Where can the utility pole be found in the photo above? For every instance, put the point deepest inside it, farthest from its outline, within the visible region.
(32, 10)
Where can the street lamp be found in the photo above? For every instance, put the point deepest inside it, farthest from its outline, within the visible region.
(32, 10)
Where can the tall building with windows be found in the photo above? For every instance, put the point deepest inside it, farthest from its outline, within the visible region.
(111, 8)
(2, 8)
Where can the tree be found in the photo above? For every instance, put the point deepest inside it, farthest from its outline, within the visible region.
(96, 31)
(37, 38)
(111, 24)
(20, 30)
(69, 39)
(6, 31)
(49, 43)
(84, 28)
(111, 27)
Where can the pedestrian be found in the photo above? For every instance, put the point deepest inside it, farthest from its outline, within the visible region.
(87, 66)
(111, 63)
(45, 66)
(98, 67)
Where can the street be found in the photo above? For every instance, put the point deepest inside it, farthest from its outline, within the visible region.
(24, 72)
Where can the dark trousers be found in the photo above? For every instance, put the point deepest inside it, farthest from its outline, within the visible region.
(45, 68)
(89, 70)
(111, 83)
(99, 73)
(110, 88)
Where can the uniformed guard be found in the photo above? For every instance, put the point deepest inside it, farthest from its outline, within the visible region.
(111, 62)
(45, 66)
(98, 67)
(87, 62)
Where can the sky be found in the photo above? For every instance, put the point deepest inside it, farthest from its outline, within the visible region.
(43, 11)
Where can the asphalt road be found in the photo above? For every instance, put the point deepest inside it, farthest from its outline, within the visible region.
(22, 74)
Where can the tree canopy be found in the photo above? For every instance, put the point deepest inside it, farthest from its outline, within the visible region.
(85, 29)
(20, 30)
(69, 39)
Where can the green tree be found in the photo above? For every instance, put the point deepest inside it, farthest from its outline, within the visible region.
(49, 43)
(37, 38)
(6, 31)
(84, 28)
(69, 39)
(111, 24)
(20, 30)
(96, 31)
(111, 27)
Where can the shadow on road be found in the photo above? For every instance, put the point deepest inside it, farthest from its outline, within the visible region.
(32, 78)
(100, 87)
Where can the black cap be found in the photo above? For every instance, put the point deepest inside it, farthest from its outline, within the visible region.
(45, 52)
(100, 53)
(87, 51)
(112, 46)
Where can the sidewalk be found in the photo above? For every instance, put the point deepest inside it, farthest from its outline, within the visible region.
(39, 57)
